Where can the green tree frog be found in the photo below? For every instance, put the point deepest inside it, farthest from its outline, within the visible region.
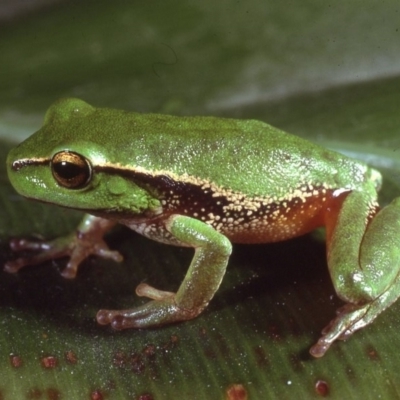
(206, 182)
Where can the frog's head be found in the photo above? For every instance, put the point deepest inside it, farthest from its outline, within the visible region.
(63, 164)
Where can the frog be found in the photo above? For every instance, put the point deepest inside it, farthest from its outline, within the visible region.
(206, 183)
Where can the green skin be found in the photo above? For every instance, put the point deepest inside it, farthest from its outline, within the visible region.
(204, 182)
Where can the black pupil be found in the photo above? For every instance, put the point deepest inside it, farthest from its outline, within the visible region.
(67, 170)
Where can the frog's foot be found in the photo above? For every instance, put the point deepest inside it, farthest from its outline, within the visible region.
(75, 246)
(349, 319)
(163, 309)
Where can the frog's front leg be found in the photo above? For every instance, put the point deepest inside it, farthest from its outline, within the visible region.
(86, 240)
(364, 263)
(212, 251)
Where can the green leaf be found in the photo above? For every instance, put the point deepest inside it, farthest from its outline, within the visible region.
(328, 72)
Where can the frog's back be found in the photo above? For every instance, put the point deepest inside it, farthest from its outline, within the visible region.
(242, 155)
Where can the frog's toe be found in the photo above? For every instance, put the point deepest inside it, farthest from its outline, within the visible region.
(145, 290)
(349, 319)
(104, 317)
(19, 244)
(103, 251)
(69, 272)
(152, 314)
(14, 266)
(48, 250)
(320, 348)
(118, 320)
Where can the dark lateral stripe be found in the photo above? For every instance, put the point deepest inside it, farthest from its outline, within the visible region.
(25, 162)
(117, 170)
(159, 182)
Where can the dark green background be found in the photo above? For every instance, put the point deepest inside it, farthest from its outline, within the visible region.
(327, 71)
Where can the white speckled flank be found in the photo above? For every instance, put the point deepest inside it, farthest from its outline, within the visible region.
(238, 216)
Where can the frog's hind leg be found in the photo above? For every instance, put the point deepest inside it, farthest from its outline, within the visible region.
(364, 263)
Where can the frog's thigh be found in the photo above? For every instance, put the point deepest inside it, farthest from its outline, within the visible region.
(364, 260)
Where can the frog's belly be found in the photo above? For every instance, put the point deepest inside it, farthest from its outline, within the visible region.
(264, 231)
(273, 222)
(249, 227)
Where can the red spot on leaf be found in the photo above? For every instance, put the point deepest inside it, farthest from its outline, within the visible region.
(71, 357)
(15, 360)
(145, 396)
(149, 350)
(137, 363)
(236, 392)
(53, 394)
(322, 388)
(96, 395)
(373, 355)
(119, 359)
(49, 362)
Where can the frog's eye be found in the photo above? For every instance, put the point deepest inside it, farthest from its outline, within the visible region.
(71, 170)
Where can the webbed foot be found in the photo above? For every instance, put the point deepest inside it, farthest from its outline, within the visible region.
(85, 241)
(163, 309)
